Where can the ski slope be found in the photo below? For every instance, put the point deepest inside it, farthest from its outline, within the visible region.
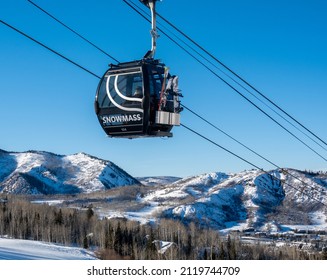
(17, 249)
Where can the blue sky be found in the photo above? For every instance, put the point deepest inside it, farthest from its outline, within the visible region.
(279, 47)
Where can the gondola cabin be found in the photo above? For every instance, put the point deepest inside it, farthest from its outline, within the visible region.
(138, 99)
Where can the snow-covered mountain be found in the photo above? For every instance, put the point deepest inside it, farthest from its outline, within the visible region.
(274, 200)
(251, 199)
(35, 172)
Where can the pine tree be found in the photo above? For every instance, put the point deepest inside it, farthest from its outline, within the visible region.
(89, 213)
(221, 255)
(205, 254)
(324, 253)
(118, 243)
(150, 246)
(85, 243)
(58, 217)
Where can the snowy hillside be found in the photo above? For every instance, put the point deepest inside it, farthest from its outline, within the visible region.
(46, 173)
(17, 249)
(250, 199)
(278, 200)
(158, 180)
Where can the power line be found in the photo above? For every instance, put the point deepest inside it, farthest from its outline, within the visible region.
(72, 30)
(48, 48)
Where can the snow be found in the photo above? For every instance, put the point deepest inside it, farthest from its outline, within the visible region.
(17, 249)
(143, 216)
(51, 202)
(163, 246)
(319, 218)
(234, 201)
(184, 210)
(157, 180)
(37, 172)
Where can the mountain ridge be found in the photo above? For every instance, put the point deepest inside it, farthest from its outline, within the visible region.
(40, 172)
(280, 198)
(257, 199)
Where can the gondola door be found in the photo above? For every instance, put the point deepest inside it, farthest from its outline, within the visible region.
(119, 103)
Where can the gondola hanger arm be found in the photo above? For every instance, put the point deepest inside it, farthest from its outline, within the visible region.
(151, 4)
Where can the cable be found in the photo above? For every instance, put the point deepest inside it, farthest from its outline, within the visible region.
(250, 163)
(228, 135)
(183, 104)
(244, 97)
(76, 33)
(216, 144)
(232, 87)
(226, 74)
(243, 145)
(174, 41)
(239, 77)
(48, 48)
(83, 68)
(62, 56)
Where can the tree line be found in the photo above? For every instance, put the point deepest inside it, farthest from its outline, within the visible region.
(125, 239)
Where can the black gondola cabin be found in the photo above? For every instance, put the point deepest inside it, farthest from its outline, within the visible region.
(138, 99)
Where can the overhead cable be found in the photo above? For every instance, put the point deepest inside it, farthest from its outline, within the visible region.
(135, 8)
(207, 139)
(72, 30)
(243, 145)
(239, 77)
(250, 163)
(48, 48)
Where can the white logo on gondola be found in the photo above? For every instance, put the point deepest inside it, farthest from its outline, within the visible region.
(133, 99)
(107, 120)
